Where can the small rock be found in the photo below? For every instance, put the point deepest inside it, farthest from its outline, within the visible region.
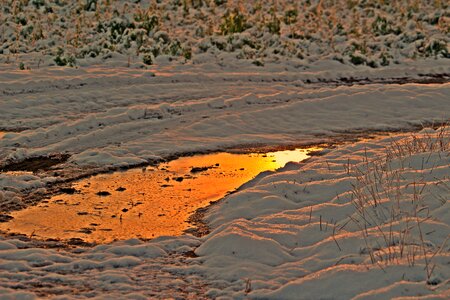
(85, 230)
(69, 191)
(103, 193)
(199, 169)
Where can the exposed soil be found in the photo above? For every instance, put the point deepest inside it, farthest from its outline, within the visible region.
(36, 164)
(424, 79)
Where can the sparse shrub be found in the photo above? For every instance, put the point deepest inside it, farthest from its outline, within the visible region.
(90, 5)
(38, 3)
(149, 23)
(200, 32)
(290, 16)
(187, 53)
(339, 29)
(71, 61)
(62, 60)
(357, 59)
(162, 36)
(233, 22)
(220, 2)
(371, 63)
(219, 43)
(384, 57)
(203, 46)
(175, 48)
(21, 19)
(197, 3)
(274, 25)
(156, 51)
(339, 58)
(381, 26)
(147, 59)
(424, 28)
(436, 48)
(26, 31)
(117, 28)
(258, 63)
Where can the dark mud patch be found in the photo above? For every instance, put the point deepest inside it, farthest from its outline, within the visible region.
(36, 164)
(68, 190)
(32, 242)
(5, 218)
(197, 220)
(350, 81)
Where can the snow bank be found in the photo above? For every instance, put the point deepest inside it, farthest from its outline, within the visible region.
(364, 220)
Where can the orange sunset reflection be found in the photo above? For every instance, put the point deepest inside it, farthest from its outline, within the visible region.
(144, 203)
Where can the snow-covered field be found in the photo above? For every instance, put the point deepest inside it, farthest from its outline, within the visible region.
(284, 235)
(117, 84)
(107, 117)
(365, 220)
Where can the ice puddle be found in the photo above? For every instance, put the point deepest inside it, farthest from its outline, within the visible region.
(145, 202)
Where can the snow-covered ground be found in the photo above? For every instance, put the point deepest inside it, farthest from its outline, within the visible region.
(364, 220)
(141, 83)
(264, 244)
(360, 221)
(107, 117)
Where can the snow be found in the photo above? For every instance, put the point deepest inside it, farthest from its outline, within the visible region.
(304, 243)
(367, 220)
(131, 126)
(289, 255)
(262, 236)
(116, 269)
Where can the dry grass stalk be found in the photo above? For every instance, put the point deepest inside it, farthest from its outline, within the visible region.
(391, 207)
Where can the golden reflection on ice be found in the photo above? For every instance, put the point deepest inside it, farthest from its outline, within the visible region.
(144, 203)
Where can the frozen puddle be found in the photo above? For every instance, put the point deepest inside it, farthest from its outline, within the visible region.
(144, 203)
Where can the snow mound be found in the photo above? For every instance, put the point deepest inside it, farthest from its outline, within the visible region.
(364, 220)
